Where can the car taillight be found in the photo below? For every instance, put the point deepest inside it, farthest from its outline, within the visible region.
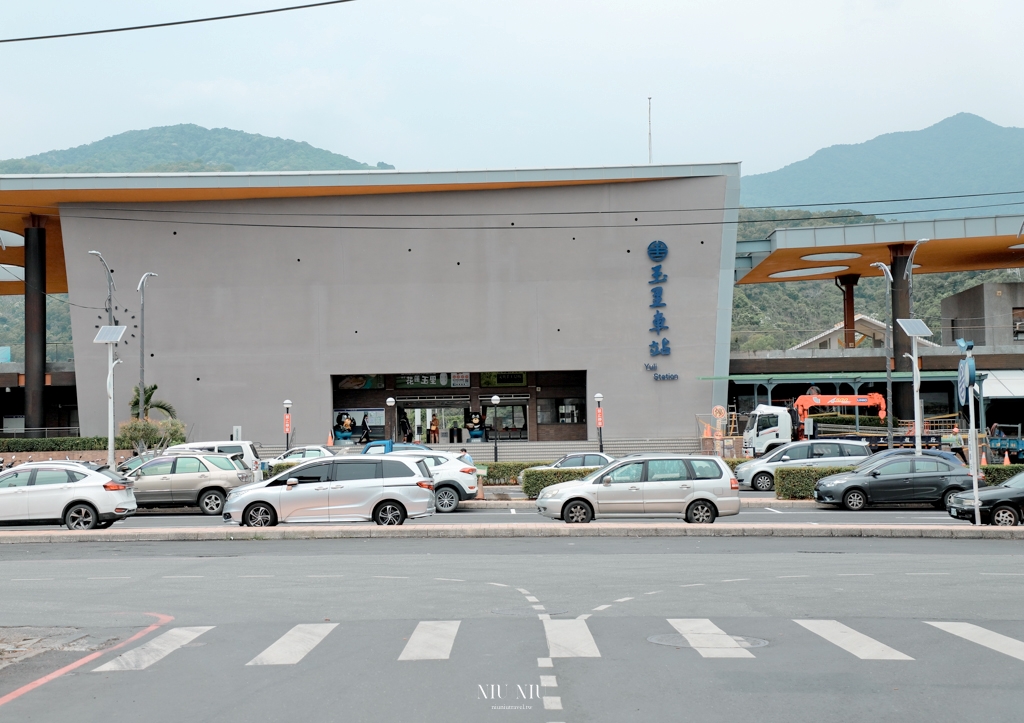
(734, 484)
(114, 487)
(468, 470)
(425, 485)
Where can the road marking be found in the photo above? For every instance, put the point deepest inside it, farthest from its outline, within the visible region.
(623, 599)
(653, 593)
(544, 616)
(548, 681)
(545, 663)
(994, 641)
(708, 639)
(109, 578)
(497, 584)
(784, 577)
(513, 510)
(294, 645)
(537, 607)
(449, 579)
(1014, 574)
(431, 640)
(770, 509)
(552, 702)
(737, 579)
(531, 598)
(29, 579)
(570, 639)
(851, 641)
(525, 592)
(602, 607)
(693, 584)
(155, 650)
(584, 616)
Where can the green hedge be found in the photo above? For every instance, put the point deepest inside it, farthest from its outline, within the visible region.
(279, 468)
(797, 483)
(733, 461)
(996, 474)
(849, 419)
(506, 473)
(537, 479)
(60, 444)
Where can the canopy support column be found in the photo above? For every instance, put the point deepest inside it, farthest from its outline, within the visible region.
(846, 283)
(35, 324)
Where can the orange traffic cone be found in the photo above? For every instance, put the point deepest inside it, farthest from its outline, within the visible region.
(1006, 459)
(984, 459)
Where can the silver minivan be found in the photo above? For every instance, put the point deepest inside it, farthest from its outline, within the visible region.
(387, 490)
(759, 474)
(699, 487)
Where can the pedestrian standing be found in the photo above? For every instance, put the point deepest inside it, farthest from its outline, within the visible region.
(466, 456)
(435, 429)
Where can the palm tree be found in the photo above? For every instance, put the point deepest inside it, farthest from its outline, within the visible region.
(150, 403)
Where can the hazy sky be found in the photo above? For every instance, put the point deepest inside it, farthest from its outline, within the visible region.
(439, 84)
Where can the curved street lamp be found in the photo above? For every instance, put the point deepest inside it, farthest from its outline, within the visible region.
(495, 401)
(390, 401)
(600, 422)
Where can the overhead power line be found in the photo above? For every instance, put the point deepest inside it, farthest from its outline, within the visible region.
(174, 22)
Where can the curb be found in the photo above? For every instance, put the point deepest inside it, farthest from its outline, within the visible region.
(594, 529)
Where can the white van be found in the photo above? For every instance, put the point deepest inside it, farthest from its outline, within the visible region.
(247, 449)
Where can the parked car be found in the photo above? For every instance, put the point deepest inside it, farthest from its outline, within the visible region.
(580, 459)
(133, 463)
(951, 457)
(187, 479)
(385, 490)
(759, 474)
(64, 493)
(1001, 505)
(385, 446)
(299, 453)
(454, 479)
(904, 478)
(699, 487)
(247, 449)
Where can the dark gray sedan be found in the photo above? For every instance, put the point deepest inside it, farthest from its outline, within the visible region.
(903, 479)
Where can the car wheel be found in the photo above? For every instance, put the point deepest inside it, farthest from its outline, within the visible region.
(854, 500)
(701, 512)
(763, 482)
(446, 499)
(103, 525)
(947, 497)
(211, 502)
(1005, 517)
(577, 512)
(389, 513)
(81, 517)
(259, 514)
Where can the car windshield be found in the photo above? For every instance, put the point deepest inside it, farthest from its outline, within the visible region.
(595, 474)
(1015, 481)
(751, 423)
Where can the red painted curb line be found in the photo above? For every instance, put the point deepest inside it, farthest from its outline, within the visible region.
(161, 621)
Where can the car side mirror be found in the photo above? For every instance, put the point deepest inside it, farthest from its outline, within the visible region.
(785, 458)
(291, 482)
(875, 473)
(607, 480)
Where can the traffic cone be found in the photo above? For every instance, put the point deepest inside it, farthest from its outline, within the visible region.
(984, 459)
(1006, 459)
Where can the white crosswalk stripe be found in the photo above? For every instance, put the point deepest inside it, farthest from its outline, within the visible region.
(977, 634)
(431, 640)
(708, 639)
(155, 650)
(570, 639)
(294, 645)
(853, 642)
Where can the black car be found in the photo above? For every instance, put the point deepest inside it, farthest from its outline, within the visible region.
(1000, 505)
(894, 479)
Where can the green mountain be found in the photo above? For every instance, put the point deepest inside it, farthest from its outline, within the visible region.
(186, 148)
(962, 154)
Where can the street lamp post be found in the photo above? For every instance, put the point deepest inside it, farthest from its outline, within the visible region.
(495, 400)
(600, 422)
(915, 328)
(287, 423)
(390, 401)
(111, 288)
(110, 335)
(888, 347)
(908, 274)
(142, 342)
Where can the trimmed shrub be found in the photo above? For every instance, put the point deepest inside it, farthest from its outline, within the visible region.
(59, 444)
(734, 461)
(506, 473)
(996, 474)
(537, 479)
(280, 467)
(849, 419)
(797, 483)
(166, 431)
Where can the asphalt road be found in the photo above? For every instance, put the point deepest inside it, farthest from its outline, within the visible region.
(435, 630)
(748, 515)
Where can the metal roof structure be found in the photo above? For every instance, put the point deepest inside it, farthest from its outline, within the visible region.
(825, 252)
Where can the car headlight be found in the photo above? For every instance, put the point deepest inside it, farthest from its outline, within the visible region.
(832, 483)
(545, 493)
(233, 493)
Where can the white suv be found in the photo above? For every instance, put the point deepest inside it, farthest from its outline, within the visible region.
(64, 493)
(454, 478)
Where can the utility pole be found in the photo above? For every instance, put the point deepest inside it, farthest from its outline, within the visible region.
(142, 343)
(650, 140)
(110, 322)
(888, 348)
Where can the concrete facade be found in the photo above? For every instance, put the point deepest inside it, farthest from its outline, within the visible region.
(258, 301)
(988, 314)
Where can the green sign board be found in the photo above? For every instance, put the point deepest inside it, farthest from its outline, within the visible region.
(502, 379)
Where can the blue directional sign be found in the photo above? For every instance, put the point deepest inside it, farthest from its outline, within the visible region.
(965, 380)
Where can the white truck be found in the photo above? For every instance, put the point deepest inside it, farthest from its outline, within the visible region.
(767, 428)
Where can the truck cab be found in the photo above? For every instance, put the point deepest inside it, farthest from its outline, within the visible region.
(767, 428)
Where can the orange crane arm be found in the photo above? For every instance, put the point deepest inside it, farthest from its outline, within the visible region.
(804, 403)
